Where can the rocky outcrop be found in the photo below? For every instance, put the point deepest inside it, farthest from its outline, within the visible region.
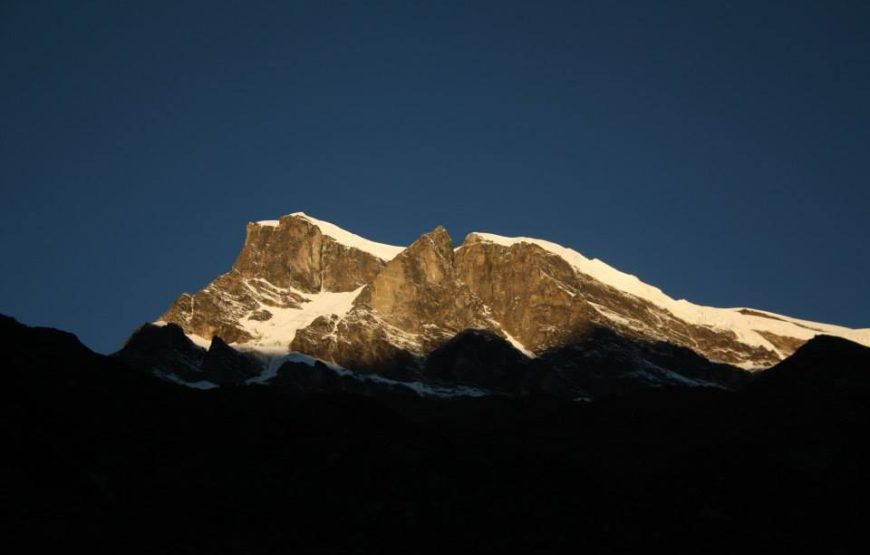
(413, 306)
(420, 290)
(533, 295)
(279, 264)
(361, 341)
(294, 253)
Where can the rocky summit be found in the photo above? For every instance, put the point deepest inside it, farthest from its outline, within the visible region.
(310, 304)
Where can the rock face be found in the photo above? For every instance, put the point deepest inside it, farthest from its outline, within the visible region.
(415, 304)
(295, 253)
(223, 304)
(420, 289)
(542, 301)
(530, 292)
(279, 263)
(546, 318)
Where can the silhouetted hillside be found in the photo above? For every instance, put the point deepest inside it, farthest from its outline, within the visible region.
(823, 365)
(105, 458)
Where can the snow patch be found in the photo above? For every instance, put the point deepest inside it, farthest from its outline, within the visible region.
(657, 375)
(202, 384)
(513, 340)
(420, 388)
(199, 341)
(517, 345)
(273, 363)
(273, 336)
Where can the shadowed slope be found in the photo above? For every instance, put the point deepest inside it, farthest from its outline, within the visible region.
(105, 458)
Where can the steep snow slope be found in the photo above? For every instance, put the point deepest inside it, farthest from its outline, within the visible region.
(273, 336)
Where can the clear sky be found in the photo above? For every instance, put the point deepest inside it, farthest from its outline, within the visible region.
(718, 150)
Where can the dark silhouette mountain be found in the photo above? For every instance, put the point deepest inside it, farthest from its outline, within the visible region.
(107, 458)
(480, 359)
(472, 363)
(825, 365)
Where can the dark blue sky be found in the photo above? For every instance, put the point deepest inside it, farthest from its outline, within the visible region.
(719, 150)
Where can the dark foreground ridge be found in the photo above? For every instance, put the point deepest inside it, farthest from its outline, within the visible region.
(111, 459)
(602, 363)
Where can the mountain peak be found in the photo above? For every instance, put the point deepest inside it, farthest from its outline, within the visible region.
(438, 240)
(382, 251)
(305, 284)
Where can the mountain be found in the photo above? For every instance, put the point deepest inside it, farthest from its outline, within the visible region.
(824, 365)
(106, 458)
(304, 291)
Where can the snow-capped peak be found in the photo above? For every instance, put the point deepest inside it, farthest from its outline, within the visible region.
(344, 237)
(745, 324)
(592, 267)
